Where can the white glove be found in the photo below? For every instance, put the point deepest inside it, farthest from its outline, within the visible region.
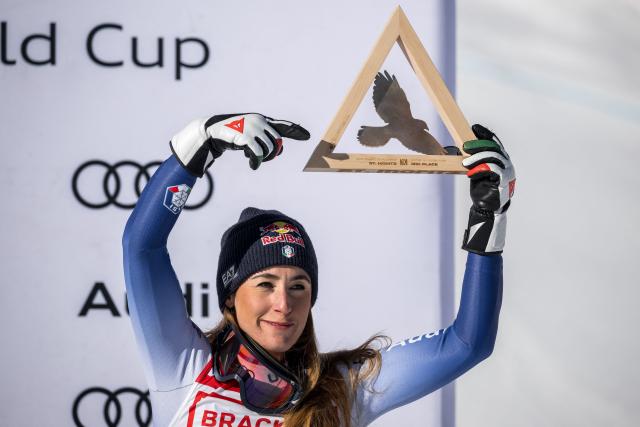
(260, 137)
(493, 181)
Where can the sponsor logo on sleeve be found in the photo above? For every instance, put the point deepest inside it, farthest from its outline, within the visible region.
(415, 339)
(176, 197)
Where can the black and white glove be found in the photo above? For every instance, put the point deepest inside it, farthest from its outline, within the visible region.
(260, 137)
(493, 180)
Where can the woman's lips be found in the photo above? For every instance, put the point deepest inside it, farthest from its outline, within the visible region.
(279, 325)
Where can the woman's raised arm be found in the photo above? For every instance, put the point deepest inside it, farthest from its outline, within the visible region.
(417, 366)
(168, 340)
(173, 348)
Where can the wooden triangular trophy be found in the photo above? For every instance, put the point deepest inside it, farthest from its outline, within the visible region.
(399, 30)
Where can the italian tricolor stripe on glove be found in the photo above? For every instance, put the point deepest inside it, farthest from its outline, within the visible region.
(492, 183)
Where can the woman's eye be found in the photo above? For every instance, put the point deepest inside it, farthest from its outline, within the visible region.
(298, 286)
(267, 285)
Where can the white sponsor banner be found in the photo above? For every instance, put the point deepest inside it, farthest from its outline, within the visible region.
(94, 90)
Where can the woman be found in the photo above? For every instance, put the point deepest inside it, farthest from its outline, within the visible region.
(260, 366)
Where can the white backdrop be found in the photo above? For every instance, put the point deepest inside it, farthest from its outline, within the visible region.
(558, 81)
(385, 255)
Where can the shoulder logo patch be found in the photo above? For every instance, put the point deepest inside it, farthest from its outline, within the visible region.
(175, 197)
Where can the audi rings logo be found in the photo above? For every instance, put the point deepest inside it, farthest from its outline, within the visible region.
(113, 403)
(97, 184)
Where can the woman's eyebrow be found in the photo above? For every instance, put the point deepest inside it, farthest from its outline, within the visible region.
(274, 277)
(265, 276)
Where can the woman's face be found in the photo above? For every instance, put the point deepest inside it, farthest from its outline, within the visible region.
(272, 307)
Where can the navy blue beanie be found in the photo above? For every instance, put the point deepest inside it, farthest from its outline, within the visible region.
(262, 239)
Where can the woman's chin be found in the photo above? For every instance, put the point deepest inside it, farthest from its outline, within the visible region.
(278, 340)
(277, 347)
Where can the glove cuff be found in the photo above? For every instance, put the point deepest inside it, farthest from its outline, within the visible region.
(191, 149)
(486, 232)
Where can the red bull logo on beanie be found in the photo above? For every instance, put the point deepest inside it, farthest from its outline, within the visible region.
(280, 232)
(279, 227)
(176, 197)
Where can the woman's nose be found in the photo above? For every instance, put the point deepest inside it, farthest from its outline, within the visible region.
(282, 301)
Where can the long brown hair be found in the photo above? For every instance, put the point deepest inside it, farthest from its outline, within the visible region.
(328, 394)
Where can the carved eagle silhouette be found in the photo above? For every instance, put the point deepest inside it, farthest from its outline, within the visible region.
(392, 106)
